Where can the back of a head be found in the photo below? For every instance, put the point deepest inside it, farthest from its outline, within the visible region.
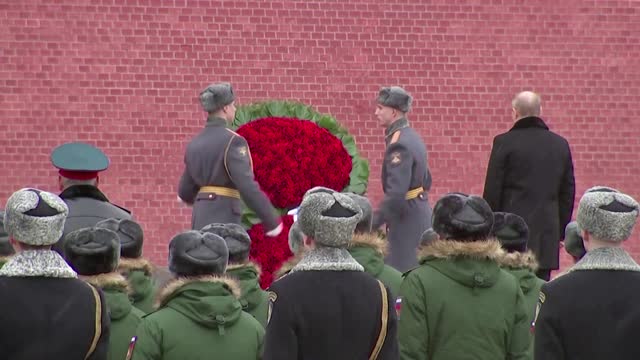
(511, 230)
(130, 235)
(194, 253)
(607, 214)
(366, 222)
(462, 217)
(35, 217)
(527, 103)
(573, 242)
(236, 237)
(5, 247)
(329, 217)
(92, 251)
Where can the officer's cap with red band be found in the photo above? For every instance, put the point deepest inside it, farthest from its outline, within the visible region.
(79, 161)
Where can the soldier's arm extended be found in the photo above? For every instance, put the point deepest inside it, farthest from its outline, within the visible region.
(495, 176)
(147, 344)
(187, 188)
(240, 168)
(567, 194)
(413, 332)
(398, 162)
(102, 346)
(548, 340)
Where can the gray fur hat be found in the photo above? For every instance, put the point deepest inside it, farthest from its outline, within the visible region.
(194, 253)
(395, 97)
(35, 217)
(216, 96)
(296, 237)
(428, 236)
(364, 226)
(573, 242)
(236, 237)
(329, 217)
(607, 214)
(92, 251)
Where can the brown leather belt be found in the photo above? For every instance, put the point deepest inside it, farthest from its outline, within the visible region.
(414, 193)
(222, 191)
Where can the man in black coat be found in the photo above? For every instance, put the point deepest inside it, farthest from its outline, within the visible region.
(327, 307)
(79, 165)
(591, 312)
(45, 311)
(530, 174)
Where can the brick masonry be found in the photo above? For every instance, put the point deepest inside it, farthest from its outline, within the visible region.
(124, 75)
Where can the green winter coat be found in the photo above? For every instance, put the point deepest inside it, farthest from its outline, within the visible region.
(124, 317)
(369, 251)
(523, 267)
(143, 289)
(199, 318)
(458, 305)
(254, 300)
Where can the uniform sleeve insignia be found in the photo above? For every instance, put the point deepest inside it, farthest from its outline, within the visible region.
(243, 151)
(132, 346)
(398, 306)
(272, 296)
(541, 298)
(395, 158)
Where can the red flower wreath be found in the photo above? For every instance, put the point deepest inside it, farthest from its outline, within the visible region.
(294, 149)
(291, 156)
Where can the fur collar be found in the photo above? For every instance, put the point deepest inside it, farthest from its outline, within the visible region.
(370, 240)
(327, 259)
(83, 191)
(518, 260)
(286, 267)
(245, 265)
(131, 264)
(530, 122)
(108, 281)
(608, 258)
(37, 263)
(175, 285)
(449, 249)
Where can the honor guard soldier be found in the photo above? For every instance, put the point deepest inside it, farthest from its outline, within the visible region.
(219, 171)
(79, 167)
(405, 180)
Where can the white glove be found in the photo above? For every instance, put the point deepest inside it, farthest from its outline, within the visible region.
(275, 232)
(293, 212)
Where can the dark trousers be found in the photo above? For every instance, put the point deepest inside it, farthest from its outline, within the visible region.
(544, 274)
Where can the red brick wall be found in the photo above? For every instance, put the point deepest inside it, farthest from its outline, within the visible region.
(124, 75)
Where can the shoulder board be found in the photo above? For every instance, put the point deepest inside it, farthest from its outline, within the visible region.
(121, 208)
(395, 137)
(233, 132)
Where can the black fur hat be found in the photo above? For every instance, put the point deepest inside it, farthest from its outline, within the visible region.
(92, 251)
(194, 253)
(236, 237)
(462, 217)
(130, 235)
(511, 230)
